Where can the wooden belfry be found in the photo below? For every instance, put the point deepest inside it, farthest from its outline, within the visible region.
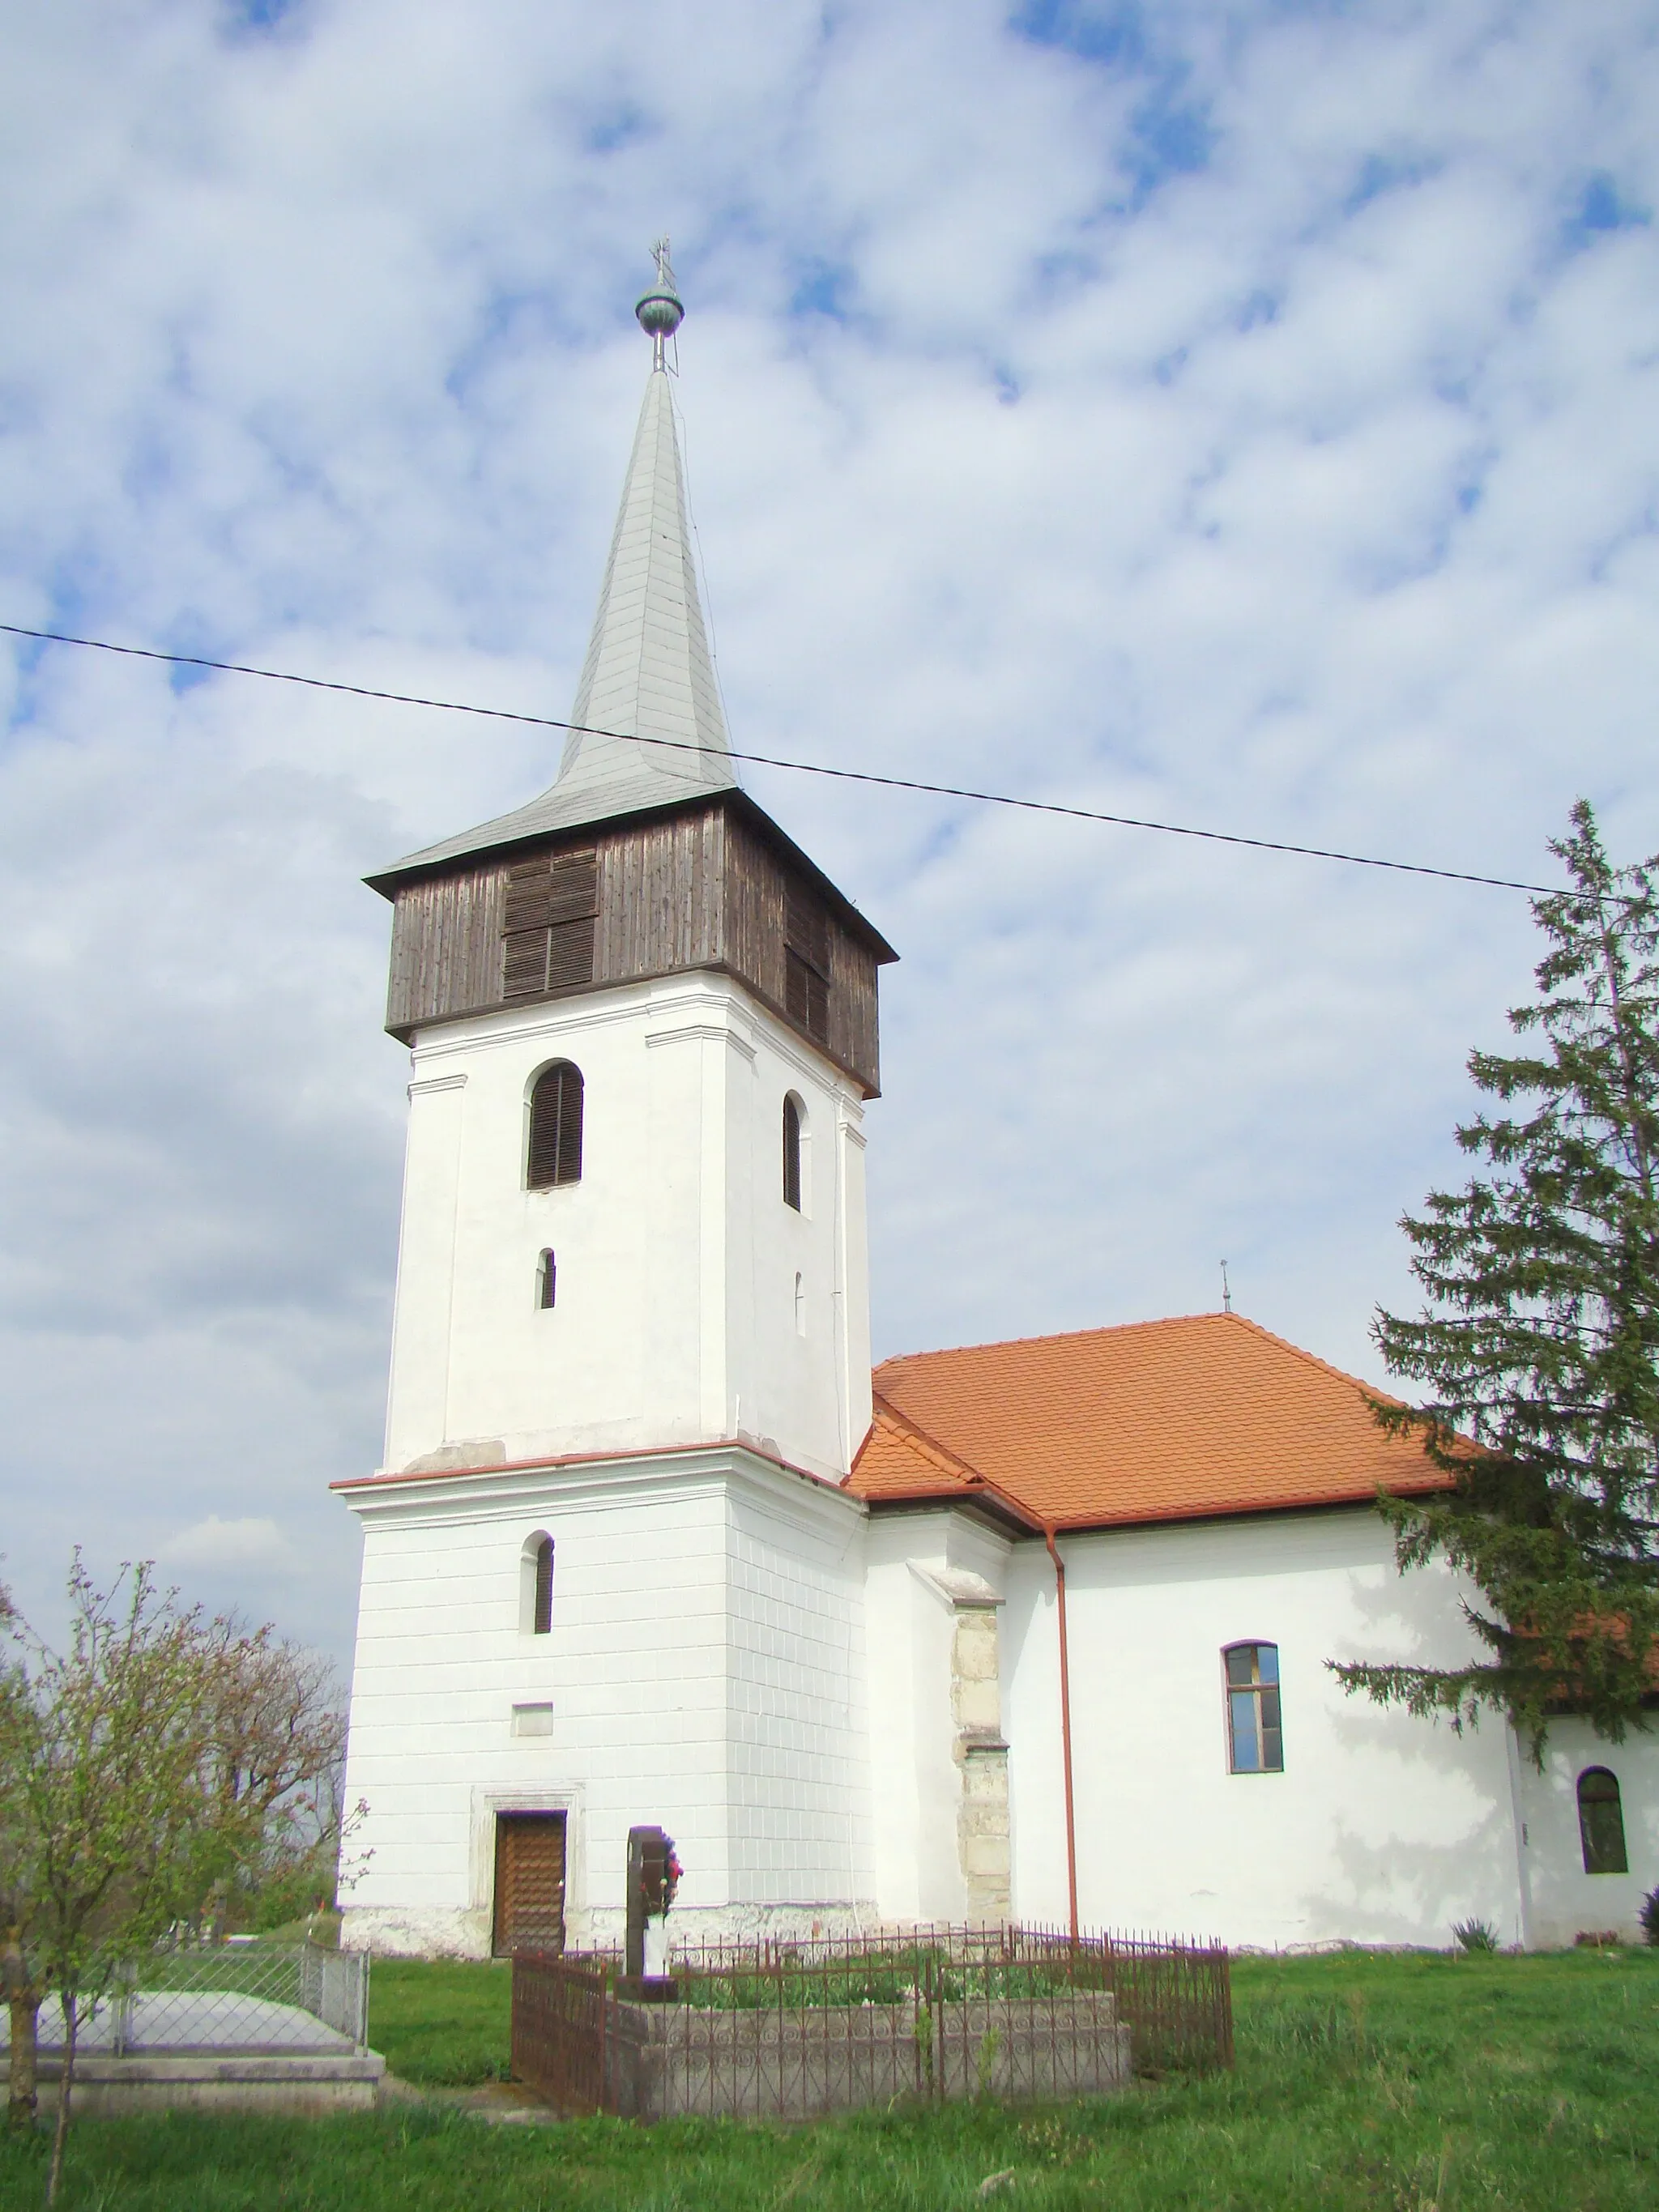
(700, 880)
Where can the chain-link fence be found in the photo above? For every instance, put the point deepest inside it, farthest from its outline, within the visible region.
(240, 1997)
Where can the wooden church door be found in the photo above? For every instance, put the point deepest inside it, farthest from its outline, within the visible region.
(529, 1883)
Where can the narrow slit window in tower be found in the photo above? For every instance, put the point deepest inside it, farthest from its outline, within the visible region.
(791, 1151)
(542, 1620)
(547, 1281)
(536, 1585)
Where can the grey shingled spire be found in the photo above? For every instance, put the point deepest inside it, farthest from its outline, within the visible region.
(647, 674)
(647, 671)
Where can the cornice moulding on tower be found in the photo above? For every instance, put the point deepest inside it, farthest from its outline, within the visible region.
(462, 1494)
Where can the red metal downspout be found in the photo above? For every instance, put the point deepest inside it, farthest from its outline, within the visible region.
(1065, 1724)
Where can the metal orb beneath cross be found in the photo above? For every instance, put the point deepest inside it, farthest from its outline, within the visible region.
(660, 311)
(661, 314)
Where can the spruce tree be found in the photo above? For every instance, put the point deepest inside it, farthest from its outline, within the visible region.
(1537, 1356)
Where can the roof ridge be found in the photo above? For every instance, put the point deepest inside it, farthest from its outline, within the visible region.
(1137, 1327)
(1059, 1336)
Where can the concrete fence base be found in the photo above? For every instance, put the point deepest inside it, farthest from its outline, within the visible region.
(302, 2085)
(665, 2062)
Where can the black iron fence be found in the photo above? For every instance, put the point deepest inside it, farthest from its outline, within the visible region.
(789, 2029)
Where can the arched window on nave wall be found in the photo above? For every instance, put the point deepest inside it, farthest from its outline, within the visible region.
(1602, 1822)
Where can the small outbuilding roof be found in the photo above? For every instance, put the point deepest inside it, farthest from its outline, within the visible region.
(1161, 1420)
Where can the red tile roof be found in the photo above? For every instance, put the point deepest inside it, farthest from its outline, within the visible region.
(900, 1460)
(1161, 1420)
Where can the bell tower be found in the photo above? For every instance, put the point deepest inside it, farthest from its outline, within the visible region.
(643, 1028)
(612, 1574)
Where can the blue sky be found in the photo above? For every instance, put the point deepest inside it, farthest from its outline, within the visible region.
(1238, 415)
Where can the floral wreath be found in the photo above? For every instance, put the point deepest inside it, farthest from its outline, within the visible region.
(664, 1891)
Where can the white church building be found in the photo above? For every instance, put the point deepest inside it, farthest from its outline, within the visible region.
(1036, 1630)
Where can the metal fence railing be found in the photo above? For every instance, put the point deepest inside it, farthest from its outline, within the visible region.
(790, 2029)
(562, 2008)
(1175, 1997)
(229, 1997)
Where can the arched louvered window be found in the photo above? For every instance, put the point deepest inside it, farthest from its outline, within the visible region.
(547, 1281)
(1602, 1822)
(791, 1151)
(1256, 1736)
(556, 1128)
(536, 1585)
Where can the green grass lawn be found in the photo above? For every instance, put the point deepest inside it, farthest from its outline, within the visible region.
(446, 2023)
(1382, 2084)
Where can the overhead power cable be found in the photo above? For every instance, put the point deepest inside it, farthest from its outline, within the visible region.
(810, 767)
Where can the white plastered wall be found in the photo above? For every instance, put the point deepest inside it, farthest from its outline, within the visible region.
(1380, 1829)
(798, 1793)
(676, 1319)
(910, 1623)
(1561, 1899)
(704, 1670)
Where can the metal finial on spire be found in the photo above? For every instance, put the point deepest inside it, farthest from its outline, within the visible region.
(660, 311)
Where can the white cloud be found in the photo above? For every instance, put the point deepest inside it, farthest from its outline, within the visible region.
(1243, 416)
(213, 1544)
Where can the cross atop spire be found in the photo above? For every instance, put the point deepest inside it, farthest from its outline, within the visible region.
(648, 676)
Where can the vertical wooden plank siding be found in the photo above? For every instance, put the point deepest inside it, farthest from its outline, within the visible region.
(698, 890)
(446, 946)
(754, 888)
(757, 895)
(660, 897)
(854, 1029)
